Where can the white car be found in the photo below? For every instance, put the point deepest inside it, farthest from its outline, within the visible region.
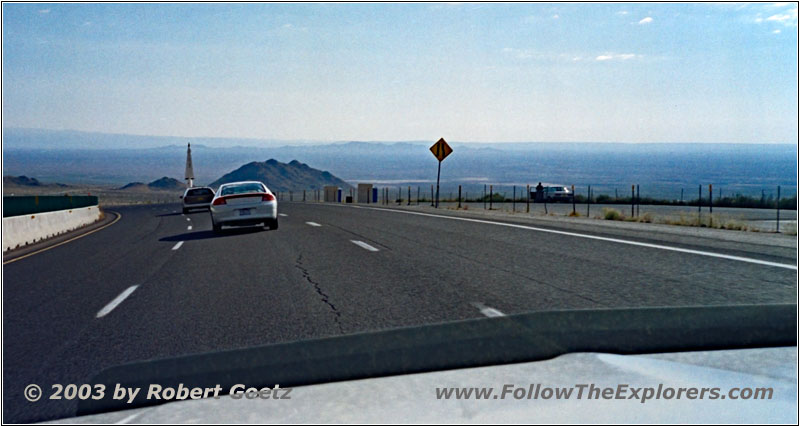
(197, 198)
(244, 203)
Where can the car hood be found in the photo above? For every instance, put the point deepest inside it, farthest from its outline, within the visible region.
(413, 399)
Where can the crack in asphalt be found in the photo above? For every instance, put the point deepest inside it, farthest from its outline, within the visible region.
(324, 297)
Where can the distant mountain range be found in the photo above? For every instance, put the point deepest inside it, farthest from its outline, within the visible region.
(282, 176)
(663, 170)
(161, 184)
(24, 181)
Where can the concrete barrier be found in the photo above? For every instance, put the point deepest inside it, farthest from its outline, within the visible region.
(23, 230)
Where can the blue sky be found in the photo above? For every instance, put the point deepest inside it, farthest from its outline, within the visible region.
(467, 72)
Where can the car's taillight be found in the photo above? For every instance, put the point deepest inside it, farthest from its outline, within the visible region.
(267, 198)
(219, 201)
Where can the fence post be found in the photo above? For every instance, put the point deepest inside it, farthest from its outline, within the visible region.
(710, 199)
(588, 201)
(484, 196)
(514, 200)
(573, 199)
(304, 195)
(491, 194)
(778, 211)
(418, 195)
(638, 201)
(459, 196)
(528, 199)
(409, 196)
(699, 203)
(633, 199)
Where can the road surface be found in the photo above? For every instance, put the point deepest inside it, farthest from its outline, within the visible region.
(158, 283)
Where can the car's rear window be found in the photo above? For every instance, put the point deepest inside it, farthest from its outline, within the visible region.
(242, 189)
(200, 192)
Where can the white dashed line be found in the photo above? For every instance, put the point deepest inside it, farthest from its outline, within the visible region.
(177, 246)
(189, 227)
(116, 301)
(188, 219)
(365, 246)
(488, 311)
(283, 215)
(313, 224)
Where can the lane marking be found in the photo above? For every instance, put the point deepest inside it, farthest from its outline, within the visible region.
(177, 246)
(365, 246)
(128, 419)
(605, 239)
(188, 219)
(313, 224)
(189, 227)
(116, 301)
(283, 215)
(119, 216)
(488, 311)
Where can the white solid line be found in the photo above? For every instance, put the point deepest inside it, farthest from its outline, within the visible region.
(177, 246)
(116, 301)
(313, 224)
(128, 419)
(605, 239)
(282, 214)
(488, 311)
(365, 246)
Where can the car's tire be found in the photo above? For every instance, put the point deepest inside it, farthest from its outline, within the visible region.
(217, 227)
(272, 224)
(185, 211)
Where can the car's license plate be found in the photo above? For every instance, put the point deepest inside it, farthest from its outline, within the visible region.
(244, 212)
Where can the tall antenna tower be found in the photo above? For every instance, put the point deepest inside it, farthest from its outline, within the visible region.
(189, 169)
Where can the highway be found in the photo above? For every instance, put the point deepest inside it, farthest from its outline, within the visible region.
(158, 283)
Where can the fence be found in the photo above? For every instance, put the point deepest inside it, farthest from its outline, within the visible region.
(704, 205)
(24, 205)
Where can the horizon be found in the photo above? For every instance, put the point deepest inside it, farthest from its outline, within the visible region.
(474, 73)
(276, 143)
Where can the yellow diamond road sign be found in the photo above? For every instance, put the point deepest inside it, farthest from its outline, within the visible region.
(440, 149)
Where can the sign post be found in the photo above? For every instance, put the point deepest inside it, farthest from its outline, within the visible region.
(440, 150)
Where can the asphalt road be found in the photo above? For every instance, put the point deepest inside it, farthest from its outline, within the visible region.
(357, 269)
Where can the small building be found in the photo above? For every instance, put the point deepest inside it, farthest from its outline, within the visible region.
(364, 193)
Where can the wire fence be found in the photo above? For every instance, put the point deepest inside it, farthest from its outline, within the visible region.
(703, 205)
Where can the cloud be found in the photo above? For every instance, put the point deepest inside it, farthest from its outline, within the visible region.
(616, 56)
(622, 12)
(646, 20)
(787, 18)
(555, 16)
(44, 10)
(776, 32)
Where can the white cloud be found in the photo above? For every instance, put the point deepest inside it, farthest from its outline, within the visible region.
(776, 32)
(781, 4)
(622, 12)
(788, 18)
(616, 56)
(44, 10)
(646, 20)
(555, 16)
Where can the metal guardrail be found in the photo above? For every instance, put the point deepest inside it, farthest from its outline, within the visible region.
(25, 205)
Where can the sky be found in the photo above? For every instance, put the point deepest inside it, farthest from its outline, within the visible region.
(387, 72)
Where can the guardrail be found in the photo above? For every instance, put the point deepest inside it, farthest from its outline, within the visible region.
(25, 205)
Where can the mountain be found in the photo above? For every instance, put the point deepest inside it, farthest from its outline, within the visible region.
(24, 181)
(283, 176)
(161, 184)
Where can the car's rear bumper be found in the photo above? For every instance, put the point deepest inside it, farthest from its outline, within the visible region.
(197, 205)
(231, 214)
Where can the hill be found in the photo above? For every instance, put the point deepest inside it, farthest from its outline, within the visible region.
(24, 181)
(283, 176)
(161, 184)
